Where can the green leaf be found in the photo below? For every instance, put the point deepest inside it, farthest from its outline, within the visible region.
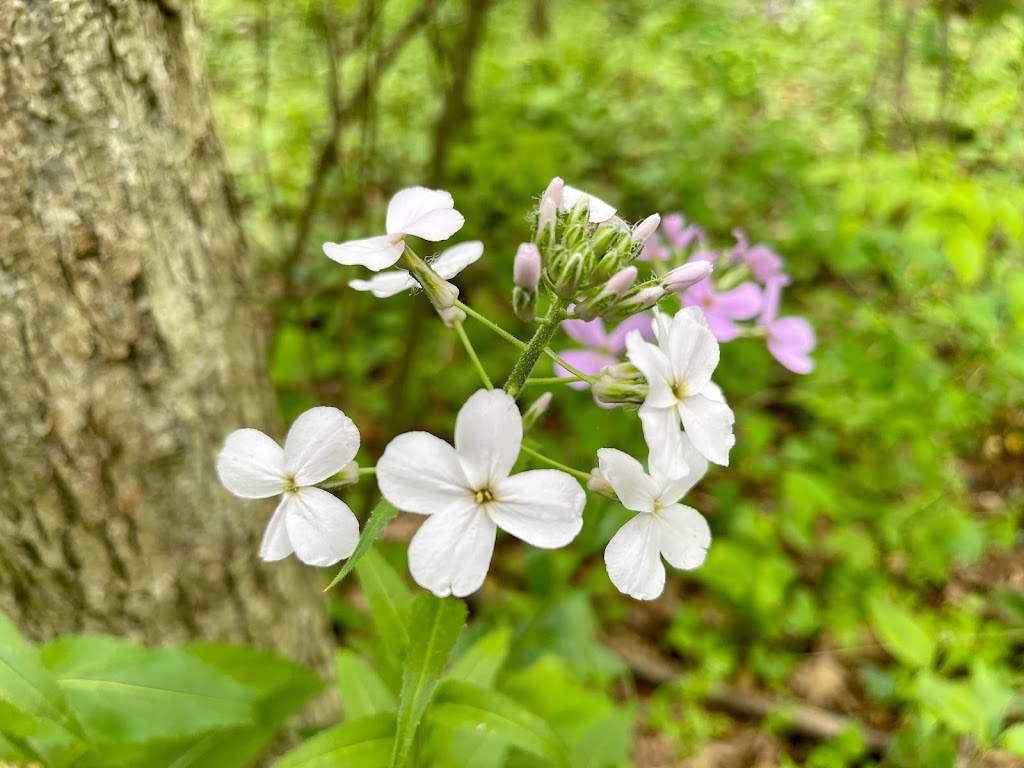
(901, 633)
(1013, 739)
(953, 704)
(363, 692)
(390, 601)
(482, 662)
(355, 744)
(459, 705)
(966, 252)
(382, 514)
(27, 687)
(123, 693)
(438, 622)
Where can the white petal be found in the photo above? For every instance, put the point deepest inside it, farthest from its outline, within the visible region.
(709, 425)
(488, 433)
(385, 284)
(655, 367)
(426, 213)
(599, 209)
(251, 465)
(672, 489)
(450, 553)
(662, 323)
(694, 314)
(684, 536)
(693, 352)
(420, 473)
(543, 507)
(633, 559)
(275, 544)
(321, 442)
(713, 392)
(663, 435)
(635, 489)
(321, 527)
(453, 260)
(374, 253)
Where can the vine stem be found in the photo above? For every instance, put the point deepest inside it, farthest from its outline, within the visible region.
(584, 476)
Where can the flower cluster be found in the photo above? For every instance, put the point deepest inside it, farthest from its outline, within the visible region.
(586, 262)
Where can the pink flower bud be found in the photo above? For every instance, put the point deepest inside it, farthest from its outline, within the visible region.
(647, 227)
(681, 278)
(546, 219)
(621, 281)
(650, 296)
(526, 267)
(554, 192)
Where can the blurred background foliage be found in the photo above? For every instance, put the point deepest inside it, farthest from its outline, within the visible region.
(867, 557)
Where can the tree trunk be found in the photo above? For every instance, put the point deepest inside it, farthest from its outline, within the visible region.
(128, 344)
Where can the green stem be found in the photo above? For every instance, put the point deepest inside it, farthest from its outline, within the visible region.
(493, 326)
(551, 380)
(537, 346)
(580, 375)
(584, 476)
(472, 355)
(367, 470)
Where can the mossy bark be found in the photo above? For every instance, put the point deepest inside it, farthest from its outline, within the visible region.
(129, 346)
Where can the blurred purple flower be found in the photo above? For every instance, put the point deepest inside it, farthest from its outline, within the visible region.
(723, 309)
(603, 348)
(674, 233)
(765, 263)
(789, 339)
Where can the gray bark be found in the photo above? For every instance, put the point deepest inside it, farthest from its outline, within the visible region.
(128, 344)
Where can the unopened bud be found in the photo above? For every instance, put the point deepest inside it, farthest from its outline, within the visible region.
(598, 302)
(598, 483)
(547, 218)
(441, 293)
(569, 275)
(647, 227)
(607, 237)
(580, 213)
(681, 278)
(526, 267)
(554, 192)
(524, 304)
(451, 316)
(650, 296)
(621, 281)
(535, 411)
(622, 372)
(615, 391)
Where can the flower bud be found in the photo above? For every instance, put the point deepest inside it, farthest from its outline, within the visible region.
(441, 293)
(451, 316)
(526, 267)
(597, 303)
(646, 228)
(554, 192)
(622, 371)
(524, 304)
(650, 296)
(681, 278)
(612, 391)
(536, 410)
(621, 281)
(607, 237)
(547, 218)
(598, 483)
(580, 213)
(569, 275)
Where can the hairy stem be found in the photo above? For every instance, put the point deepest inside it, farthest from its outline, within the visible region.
(535, 348)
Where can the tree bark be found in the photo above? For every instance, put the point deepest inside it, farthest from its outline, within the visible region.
(128, 343)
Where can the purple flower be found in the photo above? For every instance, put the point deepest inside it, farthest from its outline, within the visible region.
(723, 309)
(678, 233)
(789, 339)
(765, 263)
(603, 348)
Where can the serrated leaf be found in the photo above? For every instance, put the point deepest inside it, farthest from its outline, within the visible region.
(125, 694)
(438, 622)
(484, 659)
(26, 686)
(390, 602)
(354, 744)
(382, 514)
(363, 692)
(460, 705)
(901, 633)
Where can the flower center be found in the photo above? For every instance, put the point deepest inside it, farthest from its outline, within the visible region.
(484, 495)
(679, 390)
(290, 486)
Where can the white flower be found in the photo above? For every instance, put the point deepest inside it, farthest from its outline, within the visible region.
(599, 209)
(664, 528)
(468, 494)
(448, 264)
(678, 371)
(317, 526)
(426, 213)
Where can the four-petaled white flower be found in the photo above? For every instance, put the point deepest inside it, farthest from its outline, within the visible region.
(599, 210)
(664, 528)
(678, 371)
(468, 494)
(312, 523)
(448, 264)
(426, 213)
